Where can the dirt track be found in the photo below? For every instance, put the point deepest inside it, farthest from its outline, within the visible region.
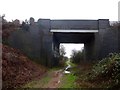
(56, 79)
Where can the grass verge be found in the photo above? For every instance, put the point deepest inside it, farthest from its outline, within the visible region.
(68, 81)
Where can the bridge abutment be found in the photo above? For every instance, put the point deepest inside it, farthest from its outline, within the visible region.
(105, 42)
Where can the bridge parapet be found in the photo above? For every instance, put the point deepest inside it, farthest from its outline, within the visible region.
(74, 24)
(79, 25)
(103, 24)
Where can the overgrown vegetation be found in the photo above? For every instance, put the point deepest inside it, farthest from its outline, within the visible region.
(104, 74)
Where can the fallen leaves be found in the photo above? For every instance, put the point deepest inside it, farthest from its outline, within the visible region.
(17, 69)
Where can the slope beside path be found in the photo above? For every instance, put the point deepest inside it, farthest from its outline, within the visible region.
(17, 69)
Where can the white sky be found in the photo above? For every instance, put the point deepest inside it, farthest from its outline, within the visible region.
(60, 9)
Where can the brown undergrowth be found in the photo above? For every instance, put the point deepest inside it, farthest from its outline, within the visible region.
(17, 69)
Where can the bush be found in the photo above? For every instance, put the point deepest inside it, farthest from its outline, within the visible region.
(107, 71)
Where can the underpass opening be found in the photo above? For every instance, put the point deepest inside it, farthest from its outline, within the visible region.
(69, 47)
(85, 39)
(71, 53)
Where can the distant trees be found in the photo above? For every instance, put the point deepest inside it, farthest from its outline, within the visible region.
(62, 58)
(3, 19)
(77, 56)
(26, 23)
(32, 21)
(115, 25)
(62, 51)
(25, 26)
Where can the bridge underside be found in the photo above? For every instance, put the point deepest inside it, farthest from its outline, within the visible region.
(73, 37)
(88, 39)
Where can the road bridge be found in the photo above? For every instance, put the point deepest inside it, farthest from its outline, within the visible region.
(46, 35)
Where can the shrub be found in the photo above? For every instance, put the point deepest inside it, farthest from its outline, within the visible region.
(107, 71)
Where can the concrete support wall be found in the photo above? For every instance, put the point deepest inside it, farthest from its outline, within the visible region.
(88, 51)
(109, 41)
(47, 41)
(36, 42)
(106, 41)
(56, 45)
